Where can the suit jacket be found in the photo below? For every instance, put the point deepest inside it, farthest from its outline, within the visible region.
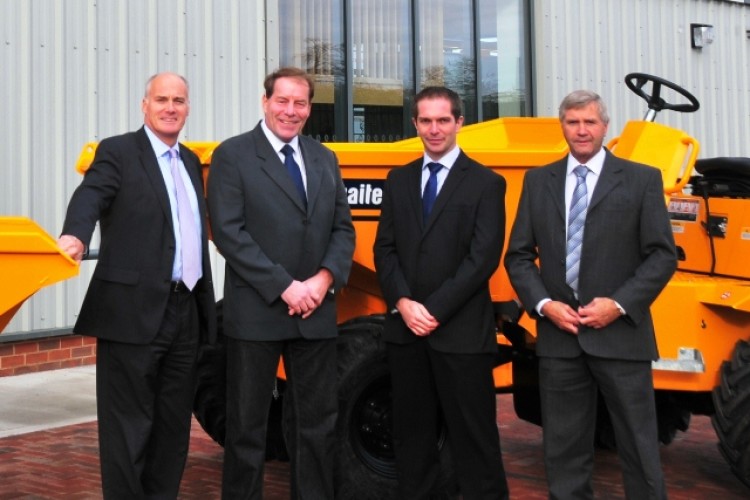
(628, 254)
(268, 238)
(125, 191)
(446, 263)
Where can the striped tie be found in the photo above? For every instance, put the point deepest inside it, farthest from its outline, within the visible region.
(576, 221)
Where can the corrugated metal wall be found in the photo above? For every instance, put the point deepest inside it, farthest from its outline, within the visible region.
(74, 72)
(595, 43)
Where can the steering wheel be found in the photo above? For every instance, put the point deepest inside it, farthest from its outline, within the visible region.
(636, 81)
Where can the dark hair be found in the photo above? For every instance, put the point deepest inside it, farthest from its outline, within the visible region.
(288, 72)
(582, 98)
(438, 93)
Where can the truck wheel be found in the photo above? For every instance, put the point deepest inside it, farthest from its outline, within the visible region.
(365, 466)
(732, 417)
(209, 404)
(671, 417)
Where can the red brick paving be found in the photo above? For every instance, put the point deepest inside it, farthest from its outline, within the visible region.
(63, 464)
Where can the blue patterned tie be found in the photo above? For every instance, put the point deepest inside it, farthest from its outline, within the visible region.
(576, 221)
(189, 236)
(294, 171)
(430, 190)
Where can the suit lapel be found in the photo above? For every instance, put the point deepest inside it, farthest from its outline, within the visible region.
(456, 174)
(273, 167)
(414, 187)
(556, 186)
(313, 171)
(608, 179)
(150, 165)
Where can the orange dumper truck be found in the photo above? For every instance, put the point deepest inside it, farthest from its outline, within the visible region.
(702, 318)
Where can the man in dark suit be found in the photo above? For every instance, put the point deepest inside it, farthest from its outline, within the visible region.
(590, 291)
(439, 240)
(281, 220)
(150, 301)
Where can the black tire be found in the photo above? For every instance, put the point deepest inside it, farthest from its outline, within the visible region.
(365, 468)
(209, 404)
(732, 417)
(671, 417)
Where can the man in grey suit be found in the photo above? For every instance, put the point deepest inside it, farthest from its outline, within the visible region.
(439, 240)
(598, 226)
(280, 218)
(143, 304)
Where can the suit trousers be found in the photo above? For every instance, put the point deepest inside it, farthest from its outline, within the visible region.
(144, 404)
(569, 389)
(310, 411)
(430, 386)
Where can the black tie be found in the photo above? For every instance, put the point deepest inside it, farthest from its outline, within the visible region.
(430, 190)
(294, 172)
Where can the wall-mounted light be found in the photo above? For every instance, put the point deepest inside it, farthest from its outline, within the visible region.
(701, 35)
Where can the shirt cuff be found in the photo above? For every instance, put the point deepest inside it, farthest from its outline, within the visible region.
(540, 305)
(619, 308)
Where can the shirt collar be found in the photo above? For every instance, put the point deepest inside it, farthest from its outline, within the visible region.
(447, 160)
(277, 143)
(595, 164)
(160, 149)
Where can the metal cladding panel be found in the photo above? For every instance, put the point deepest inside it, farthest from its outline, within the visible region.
(594, 43)
(74, 72)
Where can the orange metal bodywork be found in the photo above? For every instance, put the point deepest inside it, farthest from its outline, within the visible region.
(29, 260)
(705, 304)
(695, 311)
(703, 312)
(732, 250)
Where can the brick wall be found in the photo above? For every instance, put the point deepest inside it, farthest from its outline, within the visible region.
(46, 354)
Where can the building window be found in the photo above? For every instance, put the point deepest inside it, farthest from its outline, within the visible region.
(503, 63)
(381, 58)
(369, 58)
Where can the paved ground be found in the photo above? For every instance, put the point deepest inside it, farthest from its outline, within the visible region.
(38, 401)
(61, 462)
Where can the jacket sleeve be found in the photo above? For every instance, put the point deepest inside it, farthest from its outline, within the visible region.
(94, 195)
(226, 209)
(522, 255)
(657, 250)
(483, 255)
(338, 255)
(390, 275)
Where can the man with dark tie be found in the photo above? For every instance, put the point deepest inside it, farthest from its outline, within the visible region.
(439, 240)
(590, 250)
(280, 218)
(150, 301)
